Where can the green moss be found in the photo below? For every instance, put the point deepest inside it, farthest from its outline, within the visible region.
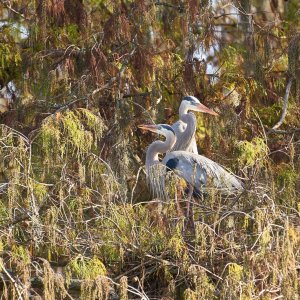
(40, 191)
(3, 212)
(75, 133)
(204, 289)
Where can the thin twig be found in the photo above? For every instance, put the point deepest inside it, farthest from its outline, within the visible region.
(179, 7)
(290, 131)
(9, 7)
(113, 79)
(14, 282)
(136, 182)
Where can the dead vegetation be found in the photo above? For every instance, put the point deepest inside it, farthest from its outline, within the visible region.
(77, 220)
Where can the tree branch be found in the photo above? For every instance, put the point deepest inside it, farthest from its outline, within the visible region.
(12, 280)
(285, 104)
(7, 5)
(179, 7)
(113, 79)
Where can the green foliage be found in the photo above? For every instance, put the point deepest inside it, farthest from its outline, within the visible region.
(235, 272)
(10, 58)
(74, 132)
(51, 137)
(204, 289)
(22, 254)
(287, 176)
(232, 55)
(3, 212)
(254, 152)
(75, 212)
(85, 268)
(177, 244)
(270, 115)
(73, 33)
(189, 295)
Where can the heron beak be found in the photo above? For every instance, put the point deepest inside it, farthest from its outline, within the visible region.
(149, 127)
(202, 108)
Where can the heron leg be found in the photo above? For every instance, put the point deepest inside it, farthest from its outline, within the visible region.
(189, 208)
(189, 198)
(178, 207)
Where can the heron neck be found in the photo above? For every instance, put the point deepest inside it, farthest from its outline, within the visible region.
(159, 147)
(190, 119)
(182, 111)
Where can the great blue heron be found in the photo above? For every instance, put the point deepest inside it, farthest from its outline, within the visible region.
(197, 170)
(185, 128)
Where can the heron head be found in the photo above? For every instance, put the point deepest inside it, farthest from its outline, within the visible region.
(162, 129)
(192, 103)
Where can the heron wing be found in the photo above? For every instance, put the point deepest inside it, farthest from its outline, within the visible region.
(198, 170)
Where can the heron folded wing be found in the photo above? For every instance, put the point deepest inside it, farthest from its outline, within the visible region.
(197, 169)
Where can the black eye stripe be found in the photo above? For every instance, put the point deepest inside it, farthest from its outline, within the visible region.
(168, 128)
(189, 98)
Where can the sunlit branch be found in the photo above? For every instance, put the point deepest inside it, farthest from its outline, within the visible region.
(285, 104)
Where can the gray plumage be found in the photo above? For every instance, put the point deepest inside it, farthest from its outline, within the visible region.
(185, 134)
(185, 128)
(197, 170)
(202, 172)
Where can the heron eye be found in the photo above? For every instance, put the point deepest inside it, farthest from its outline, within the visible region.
(159, 127)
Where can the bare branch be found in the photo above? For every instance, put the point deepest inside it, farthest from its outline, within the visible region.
(13, 281)
(290, 131)
(179, 7)
(285, 104)
(119, 75)
(7, 5)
